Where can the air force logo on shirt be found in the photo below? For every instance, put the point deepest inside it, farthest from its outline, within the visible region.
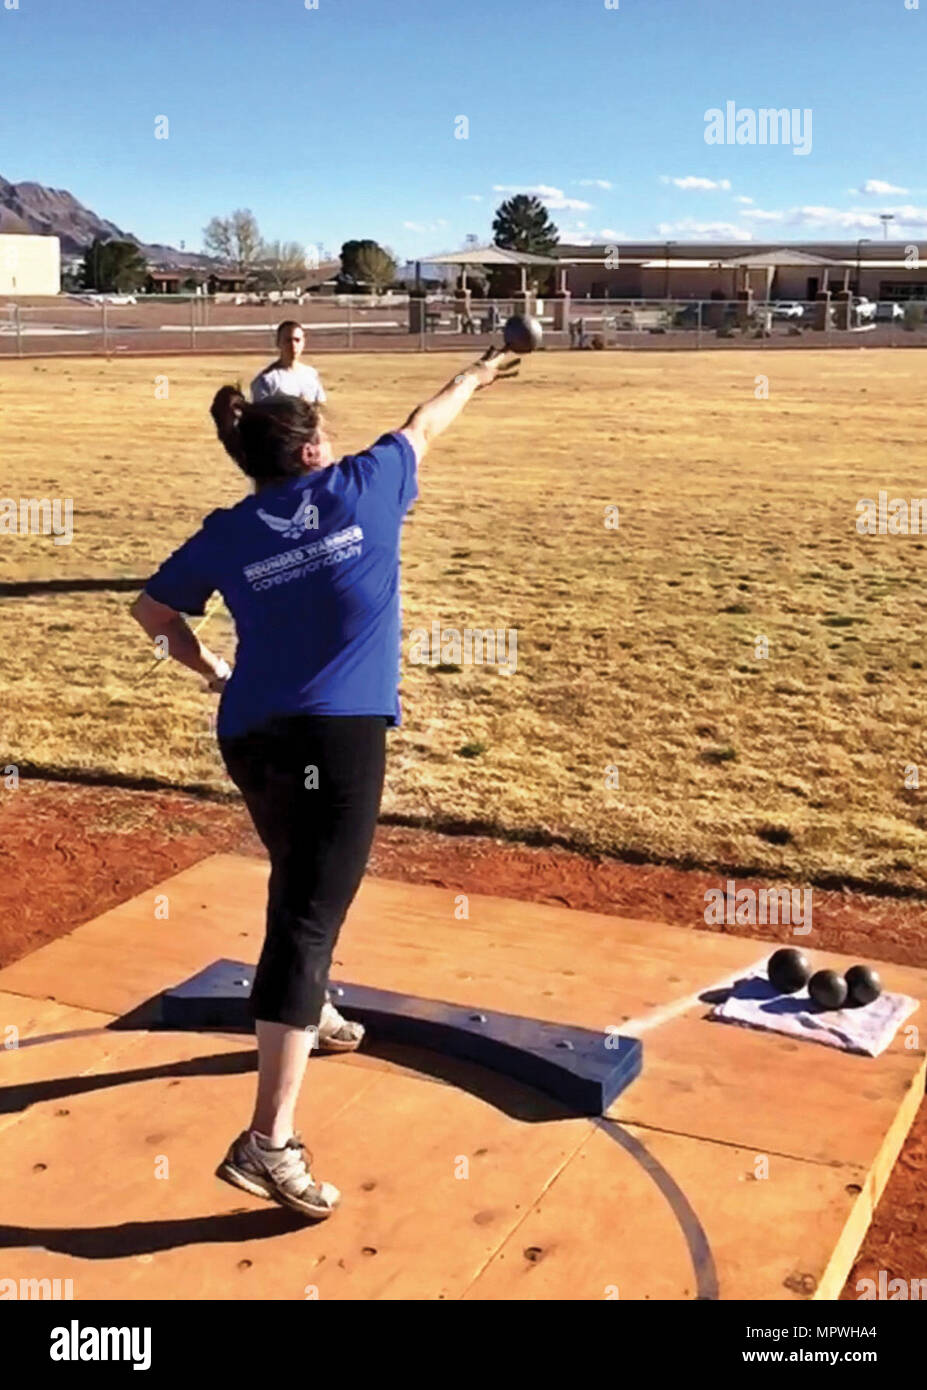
(305, 519)
(331, 550)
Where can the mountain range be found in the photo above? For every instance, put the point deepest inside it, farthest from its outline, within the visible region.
(33, 208)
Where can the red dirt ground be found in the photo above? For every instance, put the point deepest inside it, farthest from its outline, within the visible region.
(69, 853)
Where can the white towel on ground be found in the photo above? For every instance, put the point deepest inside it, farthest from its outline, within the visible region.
(868, 1030)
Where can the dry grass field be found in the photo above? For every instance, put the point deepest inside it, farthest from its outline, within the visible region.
(636, 648)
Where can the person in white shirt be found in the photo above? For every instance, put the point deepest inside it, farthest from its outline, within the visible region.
(288, 376)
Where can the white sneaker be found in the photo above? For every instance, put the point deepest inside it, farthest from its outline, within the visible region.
(336, 1034)
(283, 1175)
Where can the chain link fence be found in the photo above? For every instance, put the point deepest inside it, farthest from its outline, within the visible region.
(151, 324)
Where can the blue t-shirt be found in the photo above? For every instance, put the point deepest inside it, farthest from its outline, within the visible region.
(309, 570)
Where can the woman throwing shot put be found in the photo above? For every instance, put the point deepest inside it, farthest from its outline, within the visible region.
(309, 568)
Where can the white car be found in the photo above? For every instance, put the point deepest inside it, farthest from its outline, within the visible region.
(863, 308)
(889, 312)
(787, 309)
(95, 297)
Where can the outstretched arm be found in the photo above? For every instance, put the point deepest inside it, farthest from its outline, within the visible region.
(433, 417)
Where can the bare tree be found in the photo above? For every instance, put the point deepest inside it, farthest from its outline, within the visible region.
(235, 240)
(217, 239)
(282, 264)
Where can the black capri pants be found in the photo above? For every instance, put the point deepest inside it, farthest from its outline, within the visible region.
(318, 838)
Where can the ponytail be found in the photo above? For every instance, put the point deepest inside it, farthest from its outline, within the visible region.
(266, 440)
(226, 411)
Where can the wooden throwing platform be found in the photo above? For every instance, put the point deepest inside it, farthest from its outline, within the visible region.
(456, 1182)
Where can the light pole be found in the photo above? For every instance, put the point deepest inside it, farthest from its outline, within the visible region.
(864, 240)
(666, 275)
(885, 218)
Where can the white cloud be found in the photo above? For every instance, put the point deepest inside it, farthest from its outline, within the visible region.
(856, 219)
(877, 187)
(474, 197)
(741, 199)
(423, 227)
(819, 218)
(595, 183)
(690, 181)
(909, 221)
(552, 198)
(577, 234)
(909, 216)
(562, 204)
(812, 217)
(707, 231)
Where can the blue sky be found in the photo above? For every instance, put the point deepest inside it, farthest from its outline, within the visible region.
(339, 121)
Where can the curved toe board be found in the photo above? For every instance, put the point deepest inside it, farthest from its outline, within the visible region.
(583, 1069)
